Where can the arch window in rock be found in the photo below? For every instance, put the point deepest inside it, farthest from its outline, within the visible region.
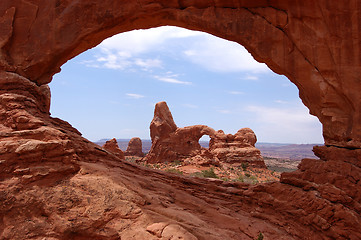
(110, 91)
(206, 80)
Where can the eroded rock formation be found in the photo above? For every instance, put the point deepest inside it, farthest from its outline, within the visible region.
(170, 143)
(55, 184)
(134, 148)
(165, 133)
(236, 149)
(112, 146)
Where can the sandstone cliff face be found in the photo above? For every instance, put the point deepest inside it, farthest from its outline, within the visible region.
(112, 146)
(54, 184)
(170, 143)
(134, 148)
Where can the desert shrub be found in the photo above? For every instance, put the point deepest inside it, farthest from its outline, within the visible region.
(254, 179)
(244, 166)
(209, 173)
(205, 174)
(260, 236)
(197, 174)
(174, 170)
(176, 163)
(130, 159)
(247, 178)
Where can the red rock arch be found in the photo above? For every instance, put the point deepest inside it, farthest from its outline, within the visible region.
(304, 40)
(316, 44)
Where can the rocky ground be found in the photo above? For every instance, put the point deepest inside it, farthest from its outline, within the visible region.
(225, 172)
(277, 157)
(281, 164)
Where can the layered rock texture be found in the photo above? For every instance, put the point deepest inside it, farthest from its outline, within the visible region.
(134, 148)
(54, 184)
(112, 146)
(170, 143)
(236, 149)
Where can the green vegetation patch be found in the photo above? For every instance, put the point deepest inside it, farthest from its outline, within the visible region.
(174, 170)
(206, 174)
(260, 236)
(244, 166)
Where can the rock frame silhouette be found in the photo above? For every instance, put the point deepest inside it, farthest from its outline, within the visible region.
(49, 174)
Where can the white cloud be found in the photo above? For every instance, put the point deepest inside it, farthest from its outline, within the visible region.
(280, 101)
(111, 60)
(170, 79)
(190, 53)
(250, 77)
(124, 51)
(216, 54)
(177, 32)
(121, 60)
(280, 115)
(148, 63)
(134, 95)
(224, 111)
(235, 92)
(140, 41)
(294, 124)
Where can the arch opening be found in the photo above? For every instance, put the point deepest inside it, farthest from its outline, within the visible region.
(129, 73)
(266, 31)
(244, 83)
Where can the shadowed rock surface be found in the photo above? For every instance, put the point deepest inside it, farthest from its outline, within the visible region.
(54, 184)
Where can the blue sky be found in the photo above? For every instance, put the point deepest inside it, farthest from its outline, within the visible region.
(110, 90)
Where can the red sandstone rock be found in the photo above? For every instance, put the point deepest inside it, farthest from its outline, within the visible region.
(236, 149)
(170, 231)
(170, 143)
(112, 146)
(162, 124)
(134, 148)
(54, 184)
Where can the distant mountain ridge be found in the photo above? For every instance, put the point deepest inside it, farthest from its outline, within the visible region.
(287, 151)
(273, 150)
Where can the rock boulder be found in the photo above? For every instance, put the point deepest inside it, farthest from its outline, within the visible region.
(112, 146)
(134, 148)
(236, 149)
